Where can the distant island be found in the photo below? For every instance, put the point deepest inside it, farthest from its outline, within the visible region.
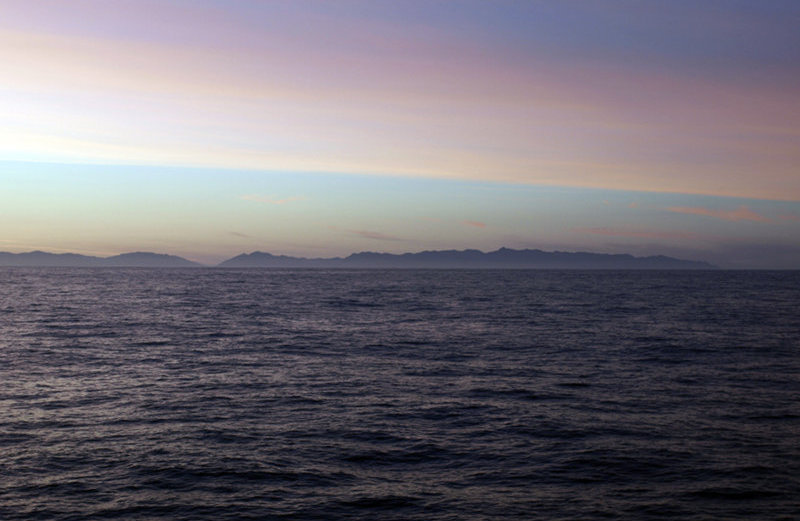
(73, 260)
(504, 258)
(475, 259)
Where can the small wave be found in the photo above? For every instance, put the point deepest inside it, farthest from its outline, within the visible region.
(342, 303)
(734, 494)
(519, 394)
(574, 384)
(389, 502)
(149, 343)
(183, 477)
(774, 417)
(420, 453)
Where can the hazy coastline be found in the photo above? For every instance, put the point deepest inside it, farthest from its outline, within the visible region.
(444, 259)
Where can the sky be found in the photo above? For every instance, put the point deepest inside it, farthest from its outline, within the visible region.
(208, 128)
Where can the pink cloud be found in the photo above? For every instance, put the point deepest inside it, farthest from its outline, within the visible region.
(642, 233)
(789, 217)
(476, 224)
(524, 117)
(743, 213)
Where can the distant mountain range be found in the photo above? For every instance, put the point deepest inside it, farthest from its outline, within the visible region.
(502, 258)
(73, 260)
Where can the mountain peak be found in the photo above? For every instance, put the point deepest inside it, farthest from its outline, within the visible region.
(139, 259)
(470, 258)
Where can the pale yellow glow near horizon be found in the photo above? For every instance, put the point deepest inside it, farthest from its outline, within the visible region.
(406, 108)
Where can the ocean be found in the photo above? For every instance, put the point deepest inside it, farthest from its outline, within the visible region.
(214, 394)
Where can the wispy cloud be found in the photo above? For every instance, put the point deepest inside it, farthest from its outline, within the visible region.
(270, 200)
(378, 236)
(743, 213)
(476, 224)
(638, 232)
(620, 124)
(242, 235)
(789, 217)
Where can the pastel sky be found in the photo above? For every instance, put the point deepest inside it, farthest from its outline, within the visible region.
(208, 128)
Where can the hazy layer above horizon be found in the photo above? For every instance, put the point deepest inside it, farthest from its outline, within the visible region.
(211, 215)
(207, 128)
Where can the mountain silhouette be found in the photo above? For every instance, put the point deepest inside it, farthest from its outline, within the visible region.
(148, 260)
(74, 260)
(442, 259)
(502, 258)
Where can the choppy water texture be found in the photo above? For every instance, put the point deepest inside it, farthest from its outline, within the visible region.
(430, 395)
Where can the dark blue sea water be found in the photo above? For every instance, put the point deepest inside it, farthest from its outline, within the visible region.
(409, 395)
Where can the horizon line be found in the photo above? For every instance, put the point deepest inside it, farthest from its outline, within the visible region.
(352, 254)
